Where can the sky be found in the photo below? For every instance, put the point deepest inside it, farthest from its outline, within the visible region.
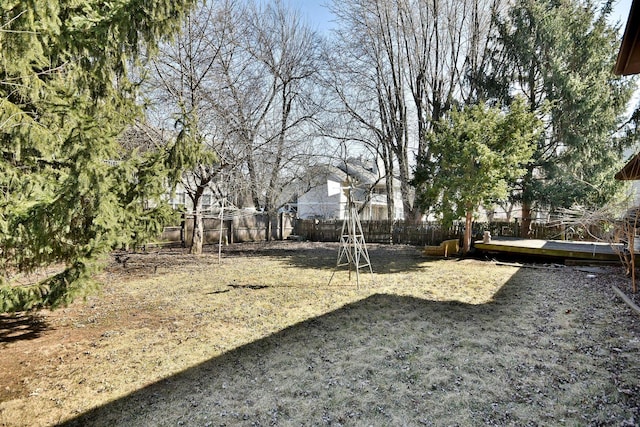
(621, 12)
(320, 18)
(316, 13)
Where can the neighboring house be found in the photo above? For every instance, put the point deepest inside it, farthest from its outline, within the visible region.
(628, 62)
(179, 199)
(142, 138)
(327, 196)
(510, 213)
(631, 172)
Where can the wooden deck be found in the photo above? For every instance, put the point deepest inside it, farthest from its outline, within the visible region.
(549, 248)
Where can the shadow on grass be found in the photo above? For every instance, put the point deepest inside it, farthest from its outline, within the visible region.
(385, 259)
(522, 359)
(20, 327)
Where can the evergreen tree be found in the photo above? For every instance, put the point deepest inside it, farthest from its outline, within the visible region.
(476, 153)
(69, 192)
(559, 55)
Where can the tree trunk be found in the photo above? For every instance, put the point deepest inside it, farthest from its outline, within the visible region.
(387, 159)
(268, 227)
(197, 238)
(466, 244)
(525, 231)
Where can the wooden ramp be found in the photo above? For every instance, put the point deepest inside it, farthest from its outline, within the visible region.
(549, 248)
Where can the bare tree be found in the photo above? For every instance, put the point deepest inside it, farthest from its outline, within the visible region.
(265, 94)
(179, 83)
(240, 79)
(400, 66)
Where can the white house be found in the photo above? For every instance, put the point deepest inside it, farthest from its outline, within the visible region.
(327, 196)
(179, 199)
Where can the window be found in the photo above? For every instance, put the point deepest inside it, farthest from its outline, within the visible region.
(206, 202)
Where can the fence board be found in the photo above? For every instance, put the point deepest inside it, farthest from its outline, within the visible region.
(424, 233)
(254, 228)
(240, 229)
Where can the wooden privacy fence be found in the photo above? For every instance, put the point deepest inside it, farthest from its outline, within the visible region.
(252, 228)
(242, 228)
(426, 233)
(379, 231)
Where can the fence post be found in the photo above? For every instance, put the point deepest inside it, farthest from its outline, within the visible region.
(183, 225)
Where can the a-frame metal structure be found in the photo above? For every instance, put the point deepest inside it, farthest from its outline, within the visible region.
(353, 248)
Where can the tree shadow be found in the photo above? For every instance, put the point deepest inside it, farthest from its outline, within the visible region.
(251, 287)
(385, 258)
(20, 327)
(396, 360)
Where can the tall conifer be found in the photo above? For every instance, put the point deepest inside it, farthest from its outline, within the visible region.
(69, 192)
(560, 55)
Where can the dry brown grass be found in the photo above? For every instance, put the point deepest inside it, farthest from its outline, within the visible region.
(263, 340)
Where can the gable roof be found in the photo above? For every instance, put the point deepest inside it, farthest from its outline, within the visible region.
(358, 172)
(630, 171)
(143, 137)
(628, 61)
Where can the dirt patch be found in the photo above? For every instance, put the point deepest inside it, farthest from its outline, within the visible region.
(262, 339)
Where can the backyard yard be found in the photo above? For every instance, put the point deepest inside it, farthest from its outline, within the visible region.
(263, 339)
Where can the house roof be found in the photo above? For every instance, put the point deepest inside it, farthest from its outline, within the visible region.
(359, 172)
(628, 61)
(319, 174)
(142, 137)
(630, 171)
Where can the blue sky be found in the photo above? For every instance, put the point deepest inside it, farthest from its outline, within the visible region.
(320, 17)
(621, 11)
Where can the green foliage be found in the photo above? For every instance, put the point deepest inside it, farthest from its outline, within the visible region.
(560, 57)
(55, 291)
(189, 149)
(475, 154)
(68, 193)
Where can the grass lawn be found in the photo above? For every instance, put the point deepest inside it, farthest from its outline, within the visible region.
(263, 339)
